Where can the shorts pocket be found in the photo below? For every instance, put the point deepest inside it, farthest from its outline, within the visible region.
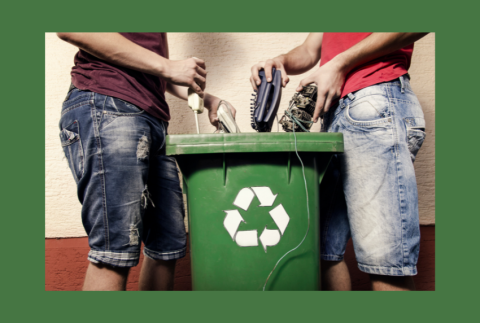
(118, 107)
(415, 135)
(368, 111)
(72, 147)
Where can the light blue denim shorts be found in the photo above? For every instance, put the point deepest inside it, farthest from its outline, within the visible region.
(129, 190)
(369, 192)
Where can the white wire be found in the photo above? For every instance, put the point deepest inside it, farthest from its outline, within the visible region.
(308, 211)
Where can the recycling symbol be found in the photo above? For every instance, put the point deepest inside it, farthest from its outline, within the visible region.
(248, 238)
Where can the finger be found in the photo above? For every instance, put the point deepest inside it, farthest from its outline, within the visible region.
(255, 69)
(321, 98)
(215, 122)
(303, 83)
(268, 69)
(201, 81)
(327, 104)
(201, 71)
(285, 78)
(195, 87)
(200, 62)
(252, 81)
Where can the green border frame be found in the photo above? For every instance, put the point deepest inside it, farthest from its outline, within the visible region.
(24, 25)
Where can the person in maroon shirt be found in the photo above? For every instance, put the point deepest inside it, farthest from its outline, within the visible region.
(112, 129)
(369, 192)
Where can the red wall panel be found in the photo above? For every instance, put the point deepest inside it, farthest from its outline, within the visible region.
(66, 263)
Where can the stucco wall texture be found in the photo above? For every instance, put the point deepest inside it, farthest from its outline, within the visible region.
(228, 57)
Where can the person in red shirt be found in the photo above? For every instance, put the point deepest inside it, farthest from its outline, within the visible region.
(369, 192)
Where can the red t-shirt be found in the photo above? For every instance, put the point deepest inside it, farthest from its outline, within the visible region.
(382, 69)
(143, 90)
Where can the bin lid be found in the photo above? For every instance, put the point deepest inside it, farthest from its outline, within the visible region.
(253, 142)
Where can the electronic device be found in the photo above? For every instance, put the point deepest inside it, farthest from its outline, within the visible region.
(264, 105)
(300, 110)
(226, 119)
(195, 102)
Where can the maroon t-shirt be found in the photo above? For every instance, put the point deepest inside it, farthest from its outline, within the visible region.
(143, 90)
(382, 69)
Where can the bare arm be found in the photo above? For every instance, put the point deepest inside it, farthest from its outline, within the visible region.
(330, 77)
(118, 50)
(297, 61)
(211, 102)
(375, 46)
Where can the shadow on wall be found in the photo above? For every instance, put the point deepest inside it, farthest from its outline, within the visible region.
(223, 57)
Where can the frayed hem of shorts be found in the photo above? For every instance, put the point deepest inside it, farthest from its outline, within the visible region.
(388, 271)
(168, 255)
(331, 258)
(115, 259)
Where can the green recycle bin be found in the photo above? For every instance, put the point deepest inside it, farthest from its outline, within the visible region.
(247, 207)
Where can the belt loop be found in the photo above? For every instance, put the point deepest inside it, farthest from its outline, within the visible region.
(351, 96)
(402, 82)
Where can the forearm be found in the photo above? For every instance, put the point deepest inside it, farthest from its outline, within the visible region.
(118, 50)
(304, 57)
(372, 47)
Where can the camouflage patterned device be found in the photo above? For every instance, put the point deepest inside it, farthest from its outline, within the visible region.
(300, 110)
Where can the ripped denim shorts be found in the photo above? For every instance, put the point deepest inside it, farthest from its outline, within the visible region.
(129, 190)
(369, 192)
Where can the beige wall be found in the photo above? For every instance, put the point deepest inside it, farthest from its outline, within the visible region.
(229, 58)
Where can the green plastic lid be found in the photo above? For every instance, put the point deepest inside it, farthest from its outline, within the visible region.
(253, 142)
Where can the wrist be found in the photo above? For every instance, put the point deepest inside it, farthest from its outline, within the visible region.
(210, 101)
(342, 63)
(280, 59)
(161, 67)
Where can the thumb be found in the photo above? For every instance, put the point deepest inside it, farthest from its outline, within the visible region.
(303, 83)
(285, 80)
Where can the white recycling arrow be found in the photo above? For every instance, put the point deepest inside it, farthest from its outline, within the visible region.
(281, 218)
(265, 195)
(244, 198)
(247, 238)
(232, 221)
(269, 238)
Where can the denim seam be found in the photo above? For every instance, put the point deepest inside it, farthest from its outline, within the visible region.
(166, 253)
(136, 257)
(102, 174)
(331, 257)
(155, 255)
(82, 156)
(129, 104)
(82, 99)
(398, 168)
(164, 134)
(405, 101)
(122, 114)
(384, 270)
(72, 165)
(116, 262)
(70, 142)
(69, 145)
(78, 105)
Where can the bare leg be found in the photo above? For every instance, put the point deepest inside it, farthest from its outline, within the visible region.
(335, 276)
(101, 277)
(389, 283)
(156, 274)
